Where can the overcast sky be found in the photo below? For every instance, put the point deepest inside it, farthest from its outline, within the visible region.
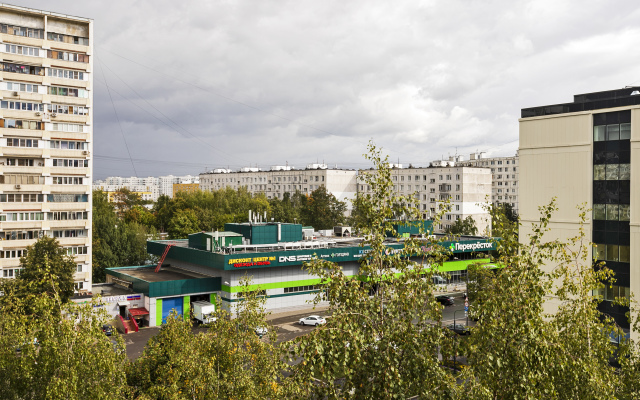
(210, 84)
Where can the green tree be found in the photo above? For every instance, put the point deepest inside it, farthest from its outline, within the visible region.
(518, 351)
(465, 226)
(183, 223)
(47, 269)
(384, 336)
(322, 210)
(228, 361)
(55, 350)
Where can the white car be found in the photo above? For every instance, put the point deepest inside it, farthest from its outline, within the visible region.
(312, 320)
(261, 331)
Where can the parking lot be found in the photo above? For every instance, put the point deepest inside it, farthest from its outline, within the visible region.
(286, 325)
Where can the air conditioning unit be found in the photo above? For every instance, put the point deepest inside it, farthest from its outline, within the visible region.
(85, 152)
(54, 114)
(18, 186)
(15, 93)
(40, 164)
(38, 113)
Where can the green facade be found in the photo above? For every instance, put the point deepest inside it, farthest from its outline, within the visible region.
(267, 233)
(167, 288)
(186, 307)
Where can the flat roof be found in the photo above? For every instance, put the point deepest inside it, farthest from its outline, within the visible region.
(588, 102)
(166, 273)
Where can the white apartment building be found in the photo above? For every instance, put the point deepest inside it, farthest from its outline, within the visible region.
(46, 125)
(342, 183)
(156, 186)
(504, 170)
(466, 188)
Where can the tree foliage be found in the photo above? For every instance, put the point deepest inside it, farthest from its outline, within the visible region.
(465, 226)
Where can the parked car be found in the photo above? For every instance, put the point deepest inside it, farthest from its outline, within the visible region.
(445, 300)
(454, 364)
(314, 320)
(459, 329)
(261, 331)
(107, 329)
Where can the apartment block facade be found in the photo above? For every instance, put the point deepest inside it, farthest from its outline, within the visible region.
(156, 186)
(466, 188)
(342, 183)
(588, 151)
(46, 126)
(504, 172)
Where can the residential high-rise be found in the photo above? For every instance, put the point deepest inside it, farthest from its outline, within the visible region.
(47, 135)
(504, 171)
(468, 190)
(587, 152)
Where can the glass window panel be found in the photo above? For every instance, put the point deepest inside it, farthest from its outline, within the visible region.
(612, 172)
(625, 212)
(625, 172)
(608, 292)
(625, 254)
(599, 212)
(612, 252)
(613, 132)
(600, 251)
(612, 212)
(625, 131)
(599, 172)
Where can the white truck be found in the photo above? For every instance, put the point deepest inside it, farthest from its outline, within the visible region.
(203, 311)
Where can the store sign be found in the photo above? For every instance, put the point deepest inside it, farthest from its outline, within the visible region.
(251, 262)
(471, 246)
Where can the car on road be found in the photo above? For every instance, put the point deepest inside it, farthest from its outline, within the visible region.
(445, 300)
(314, 320)
(459, 329)
(107, 329)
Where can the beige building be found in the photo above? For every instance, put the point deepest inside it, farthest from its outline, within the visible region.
(468, 190)
(504, 172)
(587, 151)
(46, 135)
(284, 179)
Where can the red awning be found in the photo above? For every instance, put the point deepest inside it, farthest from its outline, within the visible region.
(135, 312)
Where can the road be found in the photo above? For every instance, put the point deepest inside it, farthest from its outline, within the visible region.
(286, 325)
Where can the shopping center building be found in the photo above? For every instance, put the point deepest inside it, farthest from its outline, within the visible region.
(211, 265)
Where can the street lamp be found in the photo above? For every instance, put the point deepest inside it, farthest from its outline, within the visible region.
(454, 317)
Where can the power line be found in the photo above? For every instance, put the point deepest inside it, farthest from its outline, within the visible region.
(118, 119)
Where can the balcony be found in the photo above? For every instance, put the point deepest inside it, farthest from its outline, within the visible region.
(68, 189)
(15, 114)
(60, 153)
(55, 81)
(76, 101)
(77, 48)
(82, 119)
(15, 39)
(14, 76)
(9, 262)
(22, 151)
(55, 63)
(13, 225)
(24, 96)
(70, 223)
(10, 169)
(68, 207)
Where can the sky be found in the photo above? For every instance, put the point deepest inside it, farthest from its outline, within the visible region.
(181, 87)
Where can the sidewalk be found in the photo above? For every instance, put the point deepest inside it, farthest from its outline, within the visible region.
(302, 309)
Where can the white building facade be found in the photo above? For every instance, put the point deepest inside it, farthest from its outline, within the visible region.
(504, 170)
(157, 186)
(342, 183)
(466, 188)
(46, 123)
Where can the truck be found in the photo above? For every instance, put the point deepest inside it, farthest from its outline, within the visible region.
(203, 311)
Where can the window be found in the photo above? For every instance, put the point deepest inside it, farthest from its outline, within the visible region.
(499, 162)
(59, 37)
(67, 180)
(22, 216)
(21, 106)
(612, 132)
(78, 286)
(457, 187)
(67, 91)
(21, 124)
(79, 268)
(19, 142)
(307, 288)
(457, 197)
(68, 145)
(24, 50)
(67, 56)
(457, 207)
(22, 31)
(76, 250)
(22, 69)
(22, 87)
(67, 215)
(68, 233)
(71, 163)
(67, 198)
(22, 179)
(21, 198)
(66, 74)
(611, 252)
(67, 109)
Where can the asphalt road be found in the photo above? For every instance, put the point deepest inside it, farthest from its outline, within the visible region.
(286, 326)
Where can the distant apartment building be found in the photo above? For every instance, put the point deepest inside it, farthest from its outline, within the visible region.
(155, 186)
(47, 136)
(279, 180)
(188, 186)
(466, 188)
(504, 170)
(143, 191)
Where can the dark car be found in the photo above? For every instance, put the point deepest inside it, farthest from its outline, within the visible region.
(459, 329)
(445, 300)
(107, 329)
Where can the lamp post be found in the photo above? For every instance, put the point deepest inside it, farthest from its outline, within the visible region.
(454, 317)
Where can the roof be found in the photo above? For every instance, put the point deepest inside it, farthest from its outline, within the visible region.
(138, 311)
(628, 96)
(167, 273)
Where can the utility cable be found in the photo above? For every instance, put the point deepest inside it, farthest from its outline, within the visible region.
(118, 119)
